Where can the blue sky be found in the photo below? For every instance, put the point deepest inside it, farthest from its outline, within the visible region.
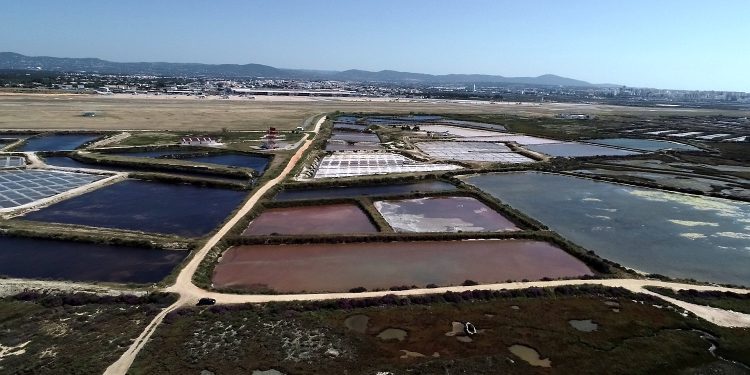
(666, 44)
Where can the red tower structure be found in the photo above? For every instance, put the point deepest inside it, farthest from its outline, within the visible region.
(269, 141)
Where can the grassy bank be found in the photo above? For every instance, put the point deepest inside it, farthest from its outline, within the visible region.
(162, 165)
(100, 236)
(71, 333)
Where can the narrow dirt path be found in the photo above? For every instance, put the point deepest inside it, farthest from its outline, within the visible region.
(719, 317)
(189, 293)
(34, 160)
(109, 140)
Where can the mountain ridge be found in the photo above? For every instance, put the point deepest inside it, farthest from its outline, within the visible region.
(12, 60)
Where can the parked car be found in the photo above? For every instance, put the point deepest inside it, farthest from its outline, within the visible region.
(206, 302)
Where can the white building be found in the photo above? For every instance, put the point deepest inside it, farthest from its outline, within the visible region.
(199, 141)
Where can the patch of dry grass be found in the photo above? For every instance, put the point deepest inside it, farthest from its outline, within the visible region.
(63, 111)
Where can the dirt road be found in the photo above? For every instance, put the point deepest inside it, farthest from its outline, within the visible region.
(189, 293)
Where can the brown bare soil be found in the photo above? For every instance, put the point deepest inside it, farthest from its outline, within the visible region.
(119, 112)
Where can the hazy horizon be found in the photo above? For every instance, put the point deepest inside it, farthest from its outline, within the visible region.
(670, 45)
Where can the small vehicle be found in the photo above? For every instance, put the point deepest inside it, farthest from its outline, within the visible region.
(206, 302)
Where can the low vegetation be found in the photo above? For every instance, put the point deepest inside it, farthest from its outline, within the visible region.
(632, 336)
(71, 333)
(162, 165)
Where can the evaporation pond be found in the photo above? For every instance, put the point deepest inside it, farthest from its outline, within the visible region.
(653, 231)
(342, 266)
(68, 162)
(19, 187)
(575, 149)
(442, 214)
(355, 137)
(77, 261)
(644, 144)
(157, 153)
(358, 146)
(317, 219)
(184, 210)
(359, 191)
(57, 142)
(257, 163)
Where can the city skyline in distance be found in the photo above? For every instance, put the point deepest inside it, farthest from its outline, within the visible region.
(685, 45)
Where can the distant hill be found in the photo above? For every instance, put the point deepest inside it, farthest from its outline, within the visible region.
(10, 60)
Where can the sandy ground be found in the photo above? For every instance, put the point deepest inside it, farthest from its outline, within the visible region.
(186, 113)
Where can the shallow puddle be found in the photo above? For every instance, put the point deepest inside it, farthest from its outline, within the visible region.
(392, 334)
(409, 354)
(584, 325)
(457, 328)
(267, 372)
(529, 355)
(357, 323)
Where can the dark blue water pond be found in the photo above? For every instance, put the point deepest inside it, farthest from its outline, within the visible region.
(14, 136)
(183, 210)
(257, 163)
(346, 119)
(64, 161)
(359, 191)
(78, 261)
(57, 142)
(150, 154)
(347, 126)
(418, 118)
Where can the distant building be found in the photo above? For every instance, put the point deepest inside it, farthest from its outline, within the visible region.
(574, 116)
(199, 141)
